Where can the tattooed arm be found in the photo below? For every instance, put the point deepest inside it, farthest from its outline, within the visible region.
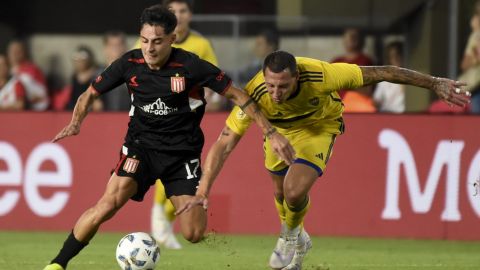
(448, 90)
(84, 102)
(280, 144)
(216, 156)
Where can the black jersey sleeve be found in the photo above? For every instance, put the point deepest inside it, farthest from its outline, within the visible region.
(210, 76)
(111, 77)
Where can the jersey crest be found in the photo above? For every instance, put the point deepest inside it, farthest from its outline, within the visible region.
(177, 83)
(131, 165)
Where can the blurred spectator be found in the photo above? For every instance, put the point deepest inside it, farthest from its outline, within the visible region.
(192, 41)
(12, 92)
(114, 46)
(358, 100)
(470, 65)
(56, 82)
(85, 70)
(266, 42)
(390, 97)
(29, 74)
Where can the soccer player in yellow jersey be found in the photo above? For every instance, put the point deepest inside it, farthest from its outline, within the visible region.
(298, 96)
(162, 216)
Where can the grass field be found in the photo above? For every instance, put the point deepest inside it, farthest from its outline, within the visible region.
(32, 251)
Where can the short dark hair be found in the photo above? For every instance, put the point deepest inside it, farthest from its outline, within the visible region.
(114, 34)
(85, 53)
(189, 3)
(278, 61)
(272, 37)
(158, 15)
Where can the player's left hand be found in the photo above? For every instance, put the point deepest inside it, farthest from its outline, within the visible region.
(192, 202)
(451, 92)
(282, 147)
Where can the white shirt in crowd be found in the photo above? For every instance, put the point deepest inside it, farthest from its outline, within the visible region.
(389, 97)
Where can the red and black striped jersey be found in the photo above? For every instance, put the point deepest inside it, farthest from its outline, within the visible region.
(167, 104)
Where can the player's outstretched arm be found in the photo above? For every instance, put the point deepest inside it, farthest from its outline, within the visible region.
(280, 144)
(84, 102)
(216, 157)
(448, 90)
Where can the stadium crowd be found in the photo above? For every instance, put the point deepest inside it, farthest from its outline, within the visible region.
(25, 86)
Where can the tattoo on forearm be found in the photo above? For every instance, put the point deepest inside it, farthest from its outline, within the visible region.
(396, 75)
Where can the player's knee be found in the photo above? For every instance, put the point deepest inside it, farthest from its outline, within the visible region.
(193, 236)
(294, 197)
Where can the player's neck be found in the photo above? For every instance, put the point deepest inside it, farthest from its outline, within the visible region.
(182, 35)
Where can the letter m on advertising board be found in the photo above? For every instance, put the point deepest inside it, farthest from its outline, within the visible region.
(447, 155)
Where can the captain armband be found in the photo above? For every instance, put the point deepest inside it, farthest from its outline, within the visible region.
(246, 104)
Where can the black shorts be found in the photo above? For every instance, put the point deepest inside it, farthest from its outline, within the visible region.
(179, 172)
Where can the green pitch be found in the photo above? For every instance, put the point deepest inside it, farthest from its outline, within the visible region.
(32, 251)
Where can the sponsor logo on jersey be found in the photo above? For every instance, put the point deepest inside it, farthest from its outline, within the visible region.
(158, 108)
(98, 79)
(314, 101)
(131, 165)
(133, 81)
(178, 83)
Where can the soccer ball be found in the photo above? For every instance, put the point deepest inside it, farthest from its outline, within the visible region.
(137, 251)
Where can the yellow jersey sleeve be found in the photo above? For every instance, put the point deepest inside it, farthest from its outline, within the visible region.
(238, 121)
(342, 76)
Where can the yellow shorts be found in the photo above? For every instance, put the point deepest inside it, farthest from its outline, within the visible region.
(313, 147)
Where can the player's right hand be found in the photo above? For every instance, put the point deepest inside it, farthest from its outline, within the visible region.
(70, 130)
(282, 147)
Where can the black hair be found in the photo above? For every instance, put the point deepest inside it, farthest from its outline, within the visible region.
(83, 52)
(158, 15)
(189, 3)
(272, 37)
(278, 61)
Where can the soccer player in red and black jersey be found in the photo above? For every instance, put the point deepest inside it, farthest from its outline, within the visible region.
(164, 139)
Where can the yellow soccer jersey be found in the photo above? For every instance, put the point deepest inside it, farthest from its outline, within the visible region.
(196, 44)
(314, 103)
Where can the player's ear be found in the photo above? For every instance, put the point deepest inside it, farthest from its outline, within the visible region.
(297, 74)
(173, 38)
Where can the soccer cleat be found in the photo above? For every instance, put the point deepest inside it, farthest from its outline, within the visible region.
(162, 229)
(304, 244)
(281, 255)
(285, 248)
(53, 266)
